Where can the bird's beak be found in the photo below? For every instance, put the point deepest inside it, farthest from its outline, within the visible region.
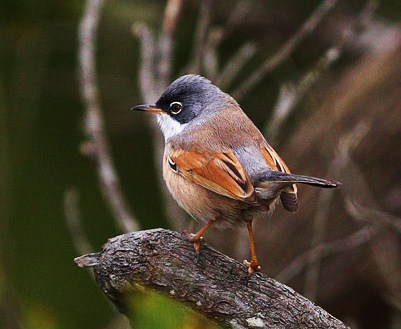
(148, 108)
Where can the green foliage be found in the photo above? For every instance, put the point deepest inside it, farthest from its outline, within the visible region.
(153, 310)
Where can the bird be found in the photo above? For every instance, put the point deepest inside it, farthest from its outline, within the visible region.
(217, 165)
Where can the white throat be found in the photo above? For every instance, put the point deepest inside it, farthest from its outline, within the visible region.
(169, 126)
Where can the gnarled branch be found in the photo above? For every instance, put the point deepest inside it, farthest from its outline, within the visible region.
(211, 283)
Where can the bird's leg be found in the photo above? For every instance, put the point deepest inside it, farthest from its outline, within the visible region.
(197, 237)
(253, 265)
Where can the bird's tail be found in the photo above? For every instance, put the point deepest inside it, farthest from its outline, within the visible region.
(278, 176)
(271, 183)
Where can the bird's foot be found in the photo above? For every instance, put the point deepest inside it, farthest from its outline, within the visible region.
(252, 266)
(197, 240)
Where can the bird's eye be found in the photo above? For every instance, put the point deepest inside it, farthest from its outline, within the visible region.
(175, 107)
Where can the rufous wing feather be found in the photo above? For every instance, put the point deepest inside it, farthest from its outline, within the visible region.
(288, 197)
(220, 172)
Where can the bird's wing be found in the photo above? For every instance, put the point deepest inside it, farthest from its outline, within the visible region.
(220, 172)
(288, 197)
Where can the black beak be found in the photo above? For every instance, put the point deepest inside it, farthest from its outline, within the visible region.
(147, 107)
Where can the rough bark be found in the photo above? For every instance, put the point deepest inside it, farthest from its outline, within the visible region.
(211, 283)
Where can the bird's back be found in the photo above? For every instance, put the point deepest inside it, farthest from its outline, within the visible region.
(230, 130)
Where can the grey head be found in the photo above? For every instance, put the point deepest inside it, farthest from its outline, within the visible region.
(189, 96)
(188, 101)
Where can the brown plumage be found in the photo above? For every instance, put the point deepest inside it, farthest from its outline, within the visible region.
(217, 165)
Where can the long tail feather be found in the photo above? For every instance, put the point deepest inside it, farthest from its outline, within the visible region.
(278, 176)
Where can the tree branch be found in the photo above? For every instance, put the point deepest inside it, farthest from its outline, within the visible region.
(166, 41)
(291, 93)
(320, 249)
(327, 249)
(285, 51)
(155, 72)
(212, 284)
(147, 69)
(200, 37)
(210, 61)
(373, 216)
(346, 146)
(235, 64)
(98, 146)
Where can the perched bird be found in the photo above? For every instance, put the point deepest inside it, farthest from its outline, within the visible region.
(217, 165)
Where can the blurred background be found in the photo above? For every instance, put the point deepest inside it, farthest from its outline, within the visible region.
(329, 102)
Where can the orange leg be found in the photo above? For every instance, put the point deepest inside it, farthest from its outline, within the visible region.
(197, 237)
(253, 265)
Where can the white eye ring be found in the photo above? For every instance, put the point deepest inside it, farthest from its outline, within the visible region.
(175, 107)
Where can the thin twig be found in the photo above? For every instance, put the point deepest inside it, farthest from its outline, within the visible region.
(170, 21)
(199, 47)
(216, 35)
(346, 144)
(153, 80)
(325, 250)
(345, 148)
(240, 12)
(287, 100)
(358, 25)
(166, 42)
(366, 13)
(147, 72)
(74, 223)
(210, 60)
(318, 235)
(235, 64)
(290, 94)
(385, 251)
(373, 216)
(285, 51)
(94, 121)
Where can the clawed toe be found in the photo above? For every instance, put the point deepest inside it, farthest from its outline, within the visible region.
(197, 240)
(252, 266)
(197, 243)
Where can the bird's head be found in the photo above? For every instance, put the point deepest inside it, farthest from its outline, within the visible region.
(188, 100)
